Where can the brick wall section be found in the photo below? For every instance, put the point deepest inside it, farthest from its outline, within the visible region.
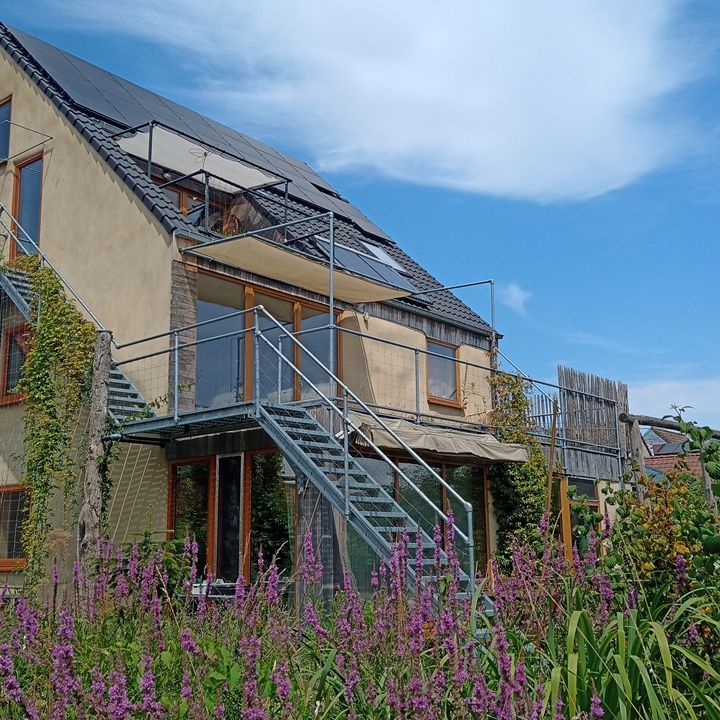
(183, 311)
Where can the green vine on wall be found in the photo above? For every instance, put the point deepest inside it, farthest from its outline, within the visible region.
(55, 383)
(518, 490)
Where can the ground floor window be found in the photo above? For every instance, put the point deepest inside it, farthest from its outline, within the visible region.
(13, 513)
(235, 506)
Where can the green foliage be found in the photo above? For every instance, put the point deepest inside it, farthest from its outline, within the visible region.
(671, 522)
(54, 384)
(519, 491)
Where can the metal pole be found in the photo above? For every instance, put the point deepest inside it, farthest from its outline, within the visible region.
(285, 218)
(256, 363)
(176, 373)
(492, 323)
(346, 451)
(417, 385)
(207, 202)
(331, 298)
(150, 149)
(621, 476)
(471, 552)
(279, 374)
(239, 371)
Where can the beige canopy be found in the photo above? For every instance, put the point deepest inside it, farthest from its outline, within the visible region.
(267, 258)
(459, 444)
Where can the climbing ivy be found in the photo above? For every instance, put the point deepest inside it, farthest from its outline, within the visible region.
(55, 383)
(518, 490)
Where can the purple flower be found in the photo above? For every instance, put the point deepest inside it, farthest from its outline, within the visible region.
(149, 704)
(311, 568)
(681, 569)
(9, 685)
(596, 708)
(187, 642)
(119, 707)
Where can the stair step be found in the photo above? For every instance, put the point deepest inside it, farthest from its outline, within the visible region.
(314, 445)
(391, 529)
(369, 498)
(383, 513)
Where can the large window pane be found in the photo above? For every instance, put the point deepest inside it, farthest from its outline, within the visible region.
(191, 507)
(468, 482)
(13, 513)
(220, 361)
(315, 336)
(272, 513)
(230, 516)
(422, 512)
(29, 196)
(5, 110)
(276, 349)
(442, 373)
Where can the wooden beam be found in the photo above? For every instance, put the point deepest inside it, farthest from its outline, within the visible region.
(657, 422)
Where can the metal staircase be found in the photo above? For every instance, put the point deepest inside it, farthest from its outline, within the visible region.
(368, 507)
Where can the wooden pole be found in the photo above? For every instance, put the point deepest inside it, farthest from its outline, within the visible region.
(89, 519)
(658, 422)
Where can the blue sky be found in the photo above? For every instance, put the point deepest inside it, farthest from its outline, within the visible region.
(569, 150)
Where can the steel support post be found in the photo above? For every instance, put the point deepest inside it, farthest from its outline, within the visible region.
(279, 369)
(471, 552)
(417, 385)
(346, 451)
(176, 375)
(150, 149)
(331, 299)
(256, 363)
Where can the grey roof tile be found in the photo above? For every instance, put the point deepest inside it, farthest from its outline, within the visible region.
(93, 101)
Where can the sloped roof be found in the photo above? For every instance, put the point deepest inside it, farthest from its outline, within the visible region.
(666, 463)
(669, 436)
(98, 104)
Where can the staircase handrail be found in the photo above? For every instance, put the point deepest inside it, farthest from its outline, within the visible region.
(464, 503)
(44, 260)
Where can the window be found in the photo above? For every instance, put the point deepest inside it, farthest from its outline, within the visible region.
(14, 349)
(28, 194)
(192, 485)
(5, 110)
(13, 512)
(442, 372)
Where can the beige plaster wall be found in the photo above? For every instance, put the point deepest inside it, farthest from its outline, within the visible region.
(385, 374)
(102, 240)
(139, 495)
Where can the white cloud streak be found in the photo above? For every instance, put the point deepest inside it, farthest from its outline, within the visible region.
(656, 396)
(514, 297)
(548, 101)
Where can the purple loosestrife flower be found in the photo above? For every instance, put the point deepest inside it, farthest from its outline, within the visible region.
(150, 704)
(187, 642)
(417, 699)
(596, 708)
(310, 567)
(63, 681)
(681, 569)
(283, 687)
(559, 705)
(133, 565)
(186, 688)
(239, 595)
(119, 707)
(219, 712)
(9, 685)
(272, 583)
(28, 619)
(311, 618)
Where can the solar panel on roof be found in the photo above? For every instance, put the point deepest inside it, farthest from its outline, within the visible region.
(107, 95)
(360, 264)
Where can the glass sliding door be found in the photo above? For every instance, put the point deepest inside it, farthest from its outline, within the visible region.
(277, 350)
(230, 513)
(315, 337)
(192, 500)
(469, 483)
(220, 360)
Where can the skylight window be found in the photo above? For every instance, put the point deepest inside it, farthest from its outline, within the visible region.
(384, 257)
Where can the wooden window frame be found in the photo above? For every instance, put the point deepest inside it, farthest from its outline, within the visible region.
(251, 289)
(7, 398)
(12, 564)
(5, 101)
(17, 190)
(434, 399)
(211, 539)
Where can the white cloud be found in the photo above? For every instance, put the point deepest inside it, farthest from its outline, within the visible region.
(656, 396)
(555, 100)
(514, 297)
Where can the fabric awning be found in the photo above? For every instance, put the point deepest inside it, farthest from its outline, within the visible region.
(438, 441)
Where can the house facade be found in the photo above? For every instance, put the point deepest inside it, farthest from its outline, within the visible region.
(279, 363)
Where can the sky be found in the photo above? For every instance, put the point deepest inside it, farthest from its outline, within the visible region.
(569, 150)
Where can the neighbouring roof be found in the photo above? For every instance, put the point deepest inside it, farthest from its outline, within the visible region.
(669, 436)
(666, 463)
(98, 104)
